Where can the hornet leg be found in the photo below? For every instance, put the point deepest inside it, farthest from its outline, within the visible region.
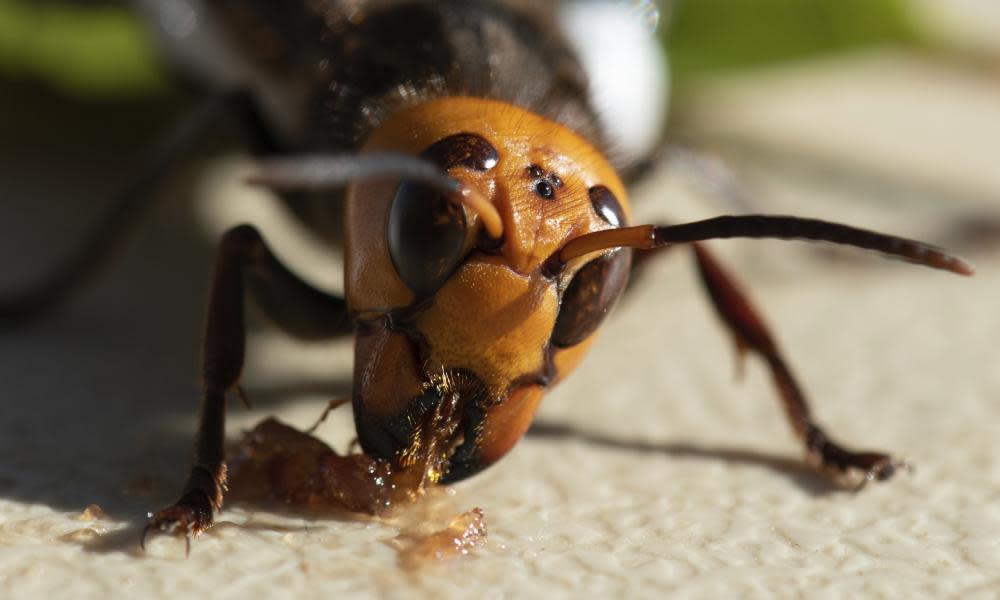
(752, 335)
(243, 259)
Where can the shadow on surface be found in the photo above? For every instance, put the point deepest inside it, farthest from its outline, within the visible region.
(127, 539)
(800, 473)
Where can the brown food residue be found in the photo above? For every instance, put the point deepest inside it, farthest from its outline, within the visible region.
(276, 462)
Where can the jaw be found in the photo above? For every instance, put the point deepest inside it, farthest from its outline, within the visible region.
(461, 374)
(436, 433)
(451, 431)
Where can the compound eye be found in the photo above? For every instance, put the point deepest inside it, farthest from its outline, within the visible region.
(426, 230)
(590, 296)
(426, 237)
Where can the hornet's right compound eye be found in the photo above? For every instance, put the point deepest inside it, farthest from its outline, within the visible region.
(427, 232)
(426, 236)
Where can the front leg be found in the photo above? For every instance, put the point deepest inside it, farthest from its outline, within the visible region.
(751, 334)
(243, 258)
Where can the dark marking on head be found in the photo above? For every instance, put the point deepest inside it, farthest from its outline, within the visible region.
(463, 150)
(488, 244)
(606, 206)
(545, 190)
(545, 184)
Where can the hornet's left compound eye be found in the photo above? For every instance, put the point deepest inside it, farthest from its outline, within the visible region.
(426, 237)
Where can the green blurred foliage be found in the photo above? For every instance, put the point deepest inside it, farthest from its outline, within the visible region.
(707, 36)
(87, 51)
(103, 51)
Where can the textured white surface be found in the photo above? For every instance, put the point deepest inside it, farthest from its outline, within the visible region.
(653, 471)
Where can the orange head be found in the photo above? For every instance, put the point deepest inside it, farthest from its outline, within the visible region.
(457, 303)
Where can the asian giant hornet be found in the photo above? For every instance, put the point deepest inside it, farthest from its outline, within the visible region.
(486, 227)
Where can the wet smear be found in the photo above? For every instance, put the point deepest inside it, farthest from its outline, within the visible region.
(461, 537)
(85, 536)
(88, 535)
